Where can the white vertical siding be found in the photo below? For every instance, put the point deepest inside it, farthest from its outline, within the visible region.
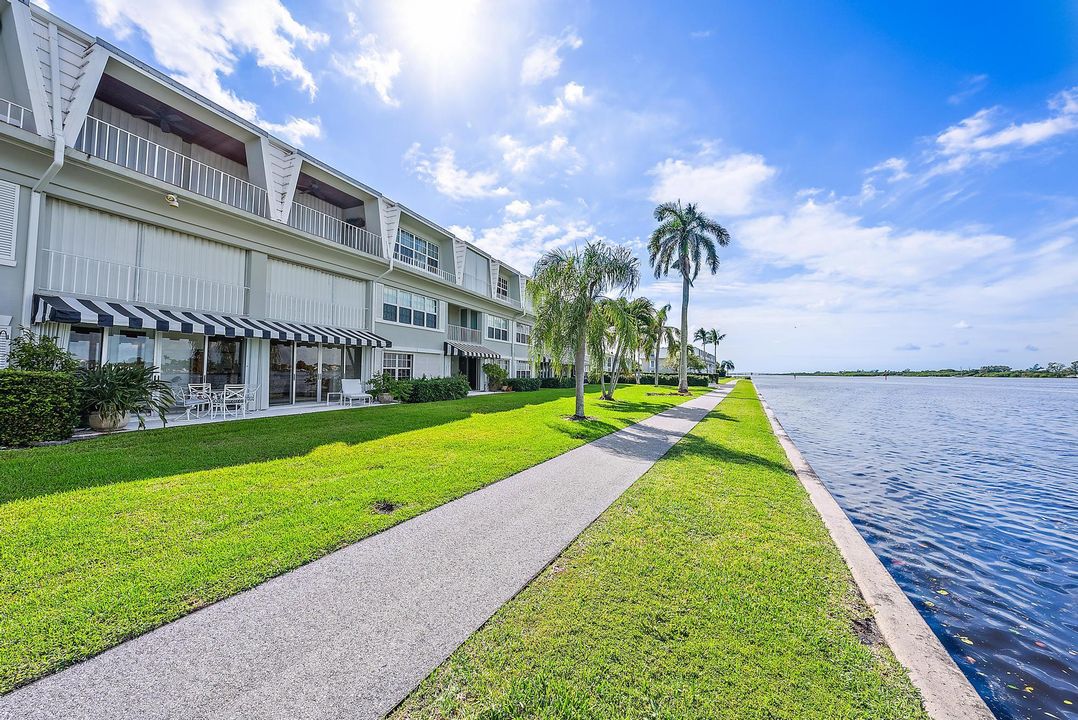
(126, 121)
(181, 270)
(476, 272)
(304, 294)
(428, 364)
(318, 204)
(218, 162)
(78, 230)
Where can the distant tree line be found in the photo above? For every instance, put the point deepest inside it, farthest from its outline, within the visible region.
(1051, 370)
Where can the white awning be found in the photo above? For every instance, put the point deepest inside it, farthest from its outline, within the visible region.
(467, 350)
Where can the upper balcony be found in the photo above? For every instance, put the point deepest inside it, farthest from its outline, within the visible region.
(323, 209)
(422, 255)
(17, 115)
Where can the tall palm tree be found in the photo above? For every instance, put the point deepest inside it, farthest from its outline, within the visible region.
(726, 366)
(618, 325)
(701, 335)
(684, 239)
(565, 290)
(659, 332)
(714, 337)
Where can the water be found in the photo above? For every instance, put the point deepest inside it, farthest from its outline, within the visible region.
(967, 490)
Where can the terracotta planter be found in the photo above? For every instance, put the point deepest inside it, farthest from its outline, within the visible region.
(102, 425)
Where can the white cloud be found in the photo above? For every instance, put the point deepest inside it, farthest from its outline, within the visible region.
(543, 59)
(572, 95)
(200, 42)
(894, 167)
(970, 87)
(518, 208)
(296, 130)
(520, 242)
(724, 186)
(370, 64)
(962, 325)
(980, 137)
(520, 157)
(439, 168)
(908, 347)
(700, 34)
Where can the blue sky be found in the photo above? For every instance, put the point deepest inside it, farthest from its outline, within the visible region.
(900, 179)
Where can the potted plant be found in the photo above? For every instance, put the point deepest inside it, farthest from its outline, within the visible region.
(383, 387)
(113, 391)
(496, 376)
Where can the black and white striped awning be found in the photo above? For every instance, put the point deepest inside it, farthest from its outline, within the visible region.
(83, 311)
(467, 350)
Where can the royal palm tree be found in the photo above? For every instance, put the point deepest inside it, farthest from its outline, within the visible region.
(565, 290)
(725, 367)
(658, 333)
(684, 239)
(617, 326)
(714, 337)
(701, 335)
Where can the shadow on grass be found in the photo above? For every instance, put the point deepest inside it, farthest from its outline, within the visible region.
(146, 454)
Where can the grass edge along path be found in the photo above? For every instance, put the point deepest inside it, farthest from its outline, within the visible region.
(710, 589)
(102, 540)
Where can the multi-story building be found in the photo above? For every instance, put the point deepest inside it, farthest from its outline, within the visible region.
(665, 366)
(141, 222)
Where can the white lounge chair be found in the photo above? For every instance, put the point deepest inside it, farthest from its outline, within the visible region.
(352, 390)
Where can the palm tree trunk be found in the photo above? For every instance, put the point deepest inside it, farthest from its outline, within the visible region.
(658, 347)
(683, 370)
(581, 355)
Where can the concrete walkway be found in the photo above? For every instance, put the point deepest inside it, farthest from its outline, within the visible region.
(351, 634)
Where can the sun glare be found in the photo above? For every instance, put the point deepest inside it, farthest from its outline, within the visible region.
(443, 34)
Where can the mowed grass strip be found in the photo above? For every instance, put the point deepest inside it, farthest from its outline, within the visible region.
(710, 589)
(104, 539)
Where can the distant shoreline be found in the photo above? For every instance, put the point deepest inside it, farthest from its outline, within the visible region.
(927, 373)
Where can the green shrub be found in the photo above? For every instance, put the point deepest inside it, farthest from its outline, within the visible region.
(524, 384)
(30, 352)
(672, 379)
(117, 389)
(434, 389)
(558, 382)
(36, 406)
(496, 376)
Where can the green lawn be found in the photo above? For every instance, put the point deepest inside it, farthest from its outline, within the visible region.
(710, 589)
(104, 539)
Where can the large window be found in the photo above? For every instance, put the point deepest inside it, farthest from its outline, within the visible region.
(182, 358)
(85, 344)
(524, 334)
(417, 251)
(408, 308)
(503, 288)
(398, 365)
(497, 328)
(130, 346)
(524, 369)
(224, 361)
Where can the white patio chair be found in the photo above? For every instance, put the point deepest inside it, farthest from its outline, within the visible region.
(252, 397)
(197, 398)
(233, 401)
(352, 390)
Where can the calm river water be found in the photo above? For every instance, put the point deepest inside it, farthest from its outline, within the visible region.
(967, 489)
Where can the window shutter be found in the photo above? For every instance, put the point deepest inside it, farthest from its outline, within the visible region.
(5, 345)
(9, 221)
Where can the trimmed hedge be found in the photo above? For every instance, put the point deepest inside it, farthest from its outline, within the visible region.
(433, 389)
(524, 384)
(35, 406)
(558, 382)
(691, 380)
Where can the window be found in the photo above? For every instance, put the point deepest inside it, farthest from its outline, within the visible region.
(182, 358)
(85, 344)
(224, 361)
(503, 288)
(524, 334)
(524, 369)
(398, 365)
(497, 328)
(409, 308)
(130, 346)
(9, 221)
(417, 251)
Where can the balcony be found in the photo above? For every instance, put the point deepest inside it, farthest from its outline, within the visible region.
(505, 298)
(123, 148)
(296, 308)
(333, 229)
(465, 335)
(17, 115)
(421, 266)
(80, 275)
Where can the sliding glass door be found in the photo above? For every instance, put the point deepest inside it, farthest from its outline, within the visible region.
(308, 372)
(280, 372)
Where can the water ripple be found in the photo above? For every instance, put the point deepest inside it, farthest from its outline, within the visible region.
(967, 489)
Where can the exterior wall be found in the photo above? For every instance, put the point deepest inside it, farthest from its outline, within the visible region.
(303, 294)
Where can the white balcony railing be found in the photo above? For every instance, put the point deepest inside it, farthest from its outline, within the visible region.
(333, 229)
(80, 275)
(465, 335)
(422, 266)
(115, 145)
(296, 308)
(17, 115)
(514, 302)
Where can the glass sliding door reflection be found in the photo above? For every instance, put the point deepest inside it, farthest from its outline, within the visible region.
(224, 361)
(280, 372)
(182, 358)
(332, 369)
(306, 372)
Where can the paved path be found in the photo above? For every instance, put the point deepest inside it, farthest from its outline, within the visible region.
(351, 634)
